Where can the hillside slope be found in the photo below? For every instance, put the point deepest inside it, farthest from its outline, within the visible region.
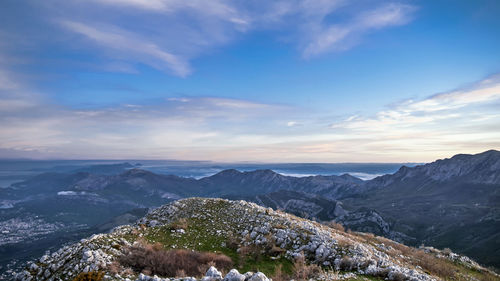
(451, 203)
(255, 239)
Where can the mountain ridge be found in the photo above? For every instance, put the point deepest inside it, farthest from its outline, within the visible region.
(462, 215)
(232, 227)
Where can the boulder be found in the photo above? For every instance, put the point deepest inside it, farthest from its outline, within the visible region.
(212, 275)
(259, 276)
(234, 275)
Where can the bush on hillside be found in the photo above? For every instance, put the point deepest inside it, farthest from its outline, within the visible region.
(154, 259)
(303, 271)
(89, 276)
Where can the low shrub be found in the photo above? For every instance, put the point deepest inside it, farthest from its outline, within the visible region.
(303, 271)
(179, 224)
(346, 264)
(232, 242)
(398, 276)
(276, 251)
(447, 251)
(382, 273)
(154, 259)
(89, 276)
(251, 251)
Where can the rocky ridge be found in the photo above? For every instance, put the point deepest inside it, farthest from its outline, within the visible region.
(477, 168)
(212, 224)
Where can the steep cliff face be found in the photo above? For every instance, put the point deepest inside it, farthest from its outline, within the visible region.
(255, 239)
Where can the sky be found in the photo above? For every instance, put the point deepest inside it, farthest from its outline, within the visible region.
(254, 80)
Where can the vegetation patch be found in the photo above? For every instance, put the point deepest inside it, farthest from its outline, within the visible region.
(153, 259)
(89, 276)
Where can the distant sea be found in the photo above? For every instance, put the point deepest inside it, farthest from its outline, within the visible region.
(12, 171)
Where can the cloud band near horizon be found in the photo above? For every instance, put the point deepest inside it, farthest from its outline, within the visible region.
(219, 129)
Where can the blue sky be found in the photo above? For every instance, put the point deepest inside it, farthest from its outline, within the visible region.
(270, 81)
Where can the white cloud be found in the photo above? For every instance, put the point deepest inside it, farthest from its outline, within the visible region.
(324, 38)
(130, 45)
(232, 130)
(168, 34)
(385, 15)
(215, 8)
(464, 120)
(235, 103)
(293, 124)
(432, 109)
(486, 90)
(165, 129)
(154, 5)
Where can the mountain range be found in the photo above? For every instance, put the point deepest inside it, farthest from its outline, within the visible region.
(452, 203)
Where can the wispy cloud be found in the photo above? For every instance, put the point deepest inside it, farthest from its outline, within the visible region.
(465, 120)
(486, 90)
(340, 36)
(224, 10)
(129, 46)
(167, 128)
(431, 109)
(169, 34)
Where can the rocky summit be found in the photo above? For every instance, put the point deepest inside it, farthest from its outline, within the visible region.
(259, 242)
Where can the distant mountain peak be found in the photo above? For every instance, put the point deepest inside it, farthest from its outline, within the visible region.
(137, 172)
(350, 177)
(228, 172)
(262, 172)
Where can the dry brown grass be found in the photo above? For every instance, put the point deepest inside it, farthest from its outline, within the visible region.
(427, 261)
(488, 277)
(181, 223)
(153, 259)
(135, 232)
(343, 242)
(432, 264)
(303, 271)
(114, 267)
(180, 273)
(335, 225)
(251, 251)
(279, 275)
